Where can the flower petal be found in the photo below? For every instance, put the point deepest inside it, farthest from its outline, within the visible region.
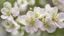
(15, 12)
(30, 14)
(10, 18)
(38, 10)
(7, 5)
(47, 7)
(52, 28)
(8, 30)
(4, 17)
(29, 29)
(22, 19)
(38, 23)
(61, 24)
(4, 10)
(60, 15)
(50, 9)
(54, 10)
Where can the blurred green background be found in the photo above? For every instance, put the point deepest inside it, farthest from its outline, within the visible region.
(58, 32)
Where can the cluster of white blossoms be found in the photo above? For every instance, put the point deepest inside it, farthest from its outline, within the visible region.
(43, 19)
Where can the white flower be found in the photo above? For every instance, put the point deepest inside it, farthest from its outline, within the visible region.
(11, 27)
(31, 23)
(38, 11)
(6, 17)
(51, 10)
(52, 26)
(58, 19)
(48, 24)
(6, 13)
(22, 4)
(46, 19)
(6, 10)
(31, 2)
(30, 14)
(7, 5)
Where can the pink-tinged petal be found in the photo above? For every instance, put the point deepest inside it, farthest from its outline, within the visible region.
(57, 25)
(38, 23)
(60, 15)
(15, 12)
(52, 28)
(42, 28)
(49, 20)
(10, 18)
(30, 29)
(54, 10)
(61, 24)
